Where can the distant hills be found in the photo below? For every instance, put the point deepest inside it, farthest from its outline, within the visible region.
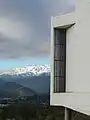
(12, 89)
(35, 78)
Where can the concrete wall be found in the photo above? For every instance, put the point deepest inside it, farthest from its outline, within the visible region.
(78, 50)
(64, 21)
(77, 96)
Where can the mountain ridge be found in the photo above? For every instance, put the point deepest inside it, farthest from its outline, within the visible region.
(36, 77)
(33, 70)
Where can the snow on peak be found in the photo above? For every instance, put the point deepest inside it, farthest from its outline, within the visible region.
(29, 70)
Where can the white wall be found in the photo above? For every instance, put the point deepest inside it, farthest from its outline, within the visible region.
(77, 96)
(78, 50)
(64, 21)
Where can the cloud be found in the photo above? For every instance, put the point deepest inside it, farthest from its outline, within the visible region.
(12, 29)
(25, 26)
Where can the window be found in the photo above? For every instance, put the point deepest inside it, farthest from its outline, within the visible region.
(59, 84)
(59, 60)
(59, 36)
(59, 52)
(59, 68)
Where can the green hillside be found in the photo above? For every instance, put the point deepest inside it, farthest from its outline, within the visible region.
(12, 89)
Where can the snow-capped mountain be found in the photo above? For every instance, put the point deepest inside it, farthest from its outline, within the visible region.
(35, 77)
(33, 70)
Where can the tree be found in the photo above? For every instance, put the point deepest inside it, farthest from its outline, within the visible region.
(50, 117)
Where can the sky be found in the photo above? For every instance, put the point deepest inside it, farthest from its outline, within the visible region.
(25, 30)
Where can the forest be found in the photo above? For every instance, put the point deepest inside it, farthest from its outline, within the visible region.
(27, 111)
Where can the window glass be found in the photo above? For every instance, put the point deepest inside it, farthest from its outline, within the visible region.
(59, 52)
(59, 60)
(60, 36)
(59, 84)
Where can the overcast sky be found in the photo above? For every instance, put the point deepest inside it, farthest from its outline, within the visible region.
(25, 26)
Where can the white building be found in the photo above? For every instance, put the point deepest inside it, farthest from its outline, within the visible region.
(70, 59)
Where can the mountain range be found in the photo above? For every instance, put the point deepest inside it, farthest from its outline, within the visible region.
(27, 80)
(33, 70)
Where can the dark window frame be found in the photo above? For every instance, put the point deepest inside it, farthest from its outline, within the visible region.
(60, 43)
